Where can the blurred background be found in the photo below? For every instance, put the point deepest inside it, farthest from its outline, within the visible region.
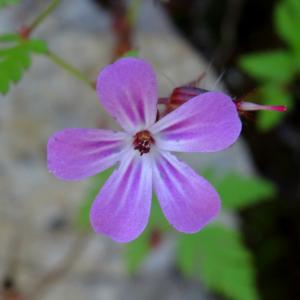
(247, 48)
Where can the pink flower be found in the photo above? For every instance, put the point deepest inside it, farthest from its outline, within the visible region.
(127, 89)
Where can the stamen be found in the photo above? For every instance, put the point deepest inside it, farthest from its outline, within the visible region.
(142, 141)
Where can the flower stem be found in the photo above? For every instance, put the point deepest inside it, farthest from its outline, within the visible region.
(69, 68)
(132, 11)
(26, 31)
(42, 16)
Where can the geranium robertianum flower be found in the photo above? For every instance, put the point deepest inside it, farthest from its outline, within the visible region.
(127, 89)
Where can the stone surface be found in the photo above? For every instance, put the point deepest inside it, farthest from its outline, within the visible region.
(35, 207)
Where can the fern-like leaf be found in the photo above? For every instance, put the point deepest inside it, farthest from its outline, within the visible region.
(15, 58)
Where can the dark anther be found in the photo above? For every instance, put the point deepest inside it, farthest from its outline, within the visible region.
(142, 141)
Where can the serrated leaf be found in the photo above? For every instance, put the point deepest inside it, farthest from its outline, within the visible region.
(4, 85)
(219, 258)
(272, 95)
(83, 219)
(25, 60)
(4, 3)
(226, 264)
(287, 21)
(238, 191)
(15, 69)
(15, 58)
(38, 46)
(9, 37)
(276, 66)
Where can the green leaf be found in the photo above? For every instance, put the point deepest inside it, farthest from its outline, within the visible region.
(276, 66)
(219, 258)
(83, 219)
(15, 58)
(9, 37)
(4, 3)
(287, 21)
(38, 46)
(238, 191)
(226, 265)
(272, 95)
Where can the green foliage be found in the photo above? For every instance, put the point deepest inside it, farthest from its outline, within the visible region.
(15, 57)
(83, 219)
(275, 66)
(4, 3)
(218, 257)
(287, 21)
(187, 254)
(237, 191)
(275, 70)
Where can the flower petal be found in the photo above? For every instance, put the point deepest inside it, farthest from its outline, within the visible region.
(77, 153)
(121, 209)
(188, 201)
(128, 91)
(206, 123)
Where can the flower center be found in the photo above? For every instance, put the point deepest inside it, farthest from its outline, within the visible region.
(142, 141)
